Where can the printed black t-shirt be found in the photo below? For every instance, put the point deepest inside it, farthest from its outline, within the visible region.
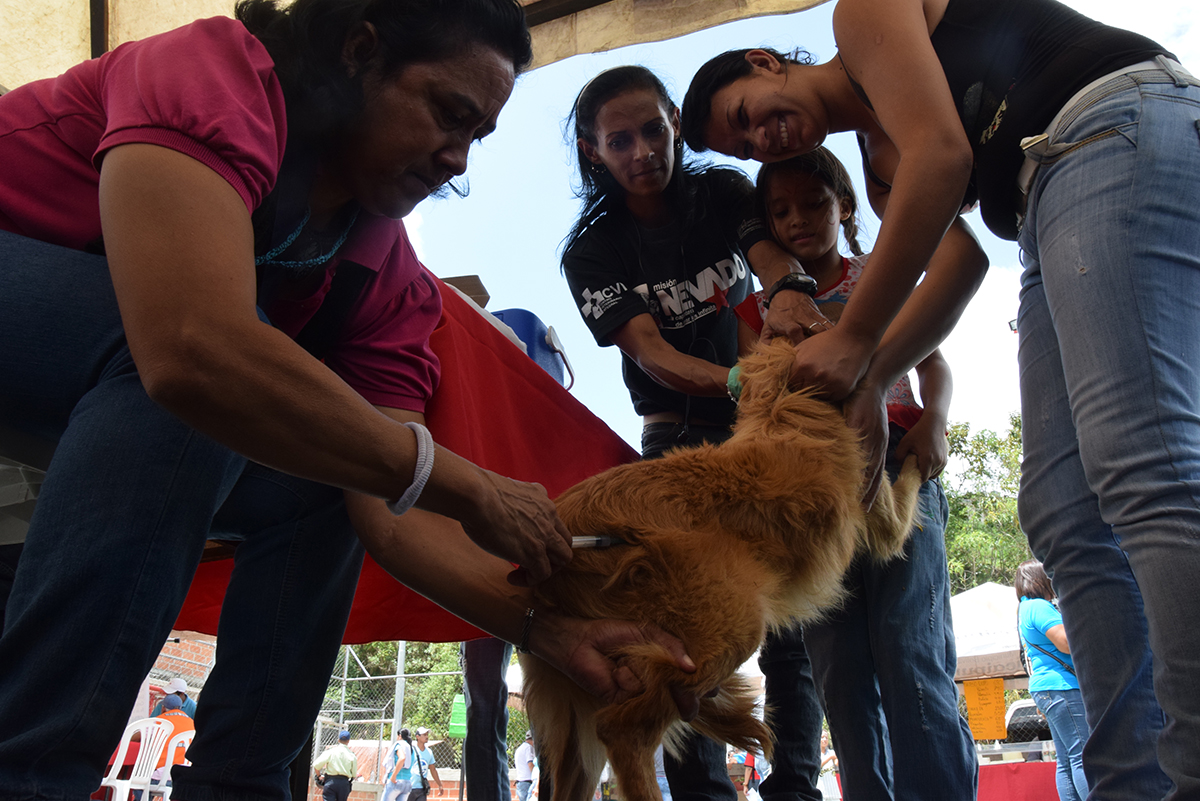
(688, 277)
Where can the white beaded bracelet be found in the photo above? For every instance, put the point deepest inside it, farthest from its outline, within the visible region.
(425, 451)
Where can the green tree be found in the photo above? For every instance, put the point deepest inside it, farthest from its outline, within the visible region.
(984, 541)
(370, 689)
(427, 702)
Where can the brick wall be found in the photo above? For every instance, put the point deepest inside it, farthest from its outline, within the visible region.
(189, 659)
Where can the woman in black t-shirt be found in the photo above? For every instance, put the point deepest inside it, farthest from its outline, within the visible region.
(658, 256)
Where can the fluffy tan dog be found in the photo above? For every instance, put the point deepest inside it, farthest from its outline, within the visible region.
(725, 542)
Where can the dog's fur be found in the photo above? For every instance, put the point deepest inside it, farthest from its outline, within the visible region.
(725, 542)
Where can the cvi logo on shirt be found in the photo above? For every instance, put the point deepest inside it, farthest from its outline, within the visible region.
(599, 301)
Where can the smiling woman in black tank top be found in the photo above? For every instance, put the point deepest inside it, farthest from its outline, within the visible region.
(1079, 140)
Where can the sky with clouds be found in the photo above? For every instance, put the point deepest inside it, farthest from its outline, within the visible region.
(510, 228)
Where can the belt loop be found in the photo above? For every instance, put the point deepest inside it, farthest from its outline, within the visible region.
(1035, 147)
(1169, 67)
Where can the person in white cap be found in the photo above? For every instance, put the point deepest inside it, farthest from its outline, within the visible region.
(177, 686)
(426, 767)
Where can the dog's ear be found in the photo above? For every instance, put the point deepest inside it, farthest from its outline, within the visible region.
(765, 373)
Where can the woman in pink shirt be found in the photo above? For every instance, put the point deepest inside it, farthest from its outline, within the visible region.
(157, 206)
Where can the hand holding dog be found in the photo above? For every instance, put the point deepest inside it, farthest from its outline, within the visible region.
(927, 441)
(794, 316)
(866, 413)
(519, 522)
(582, 649)
(832, 362)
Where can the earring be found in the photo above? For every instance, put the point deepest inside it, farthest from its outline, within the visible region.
(597, 169)
(678, 145)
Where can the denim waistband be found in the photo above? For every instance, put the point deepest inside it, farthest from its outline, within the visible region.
(1158, 70)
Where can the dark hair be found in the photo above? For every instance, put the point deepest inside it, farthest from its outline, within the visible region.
(306, 39)
(598, 186)
(829, 170)
(1031, 581)
(404, 735)
(717, 73)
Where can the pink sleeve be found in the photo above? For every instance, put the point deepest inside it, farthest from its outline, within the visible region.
(207, 90)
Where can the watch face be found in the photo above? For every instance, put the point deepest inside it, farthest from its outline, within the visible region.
(797, 281)
(803, 282)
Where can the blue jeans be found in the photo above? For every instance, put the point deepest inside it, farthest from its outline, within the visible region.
(1109, 356)
(119, 528)
(1064, 712)
(702, 773)
(485, 749)
(884, 665)
(795, 719)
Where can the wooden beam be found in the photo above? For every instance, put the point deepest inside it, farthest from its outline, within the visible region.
(99, 25)
(539, 11)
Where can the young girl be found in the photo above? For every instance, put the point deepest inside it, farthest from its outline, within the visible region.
(890, 650)
(656, 262)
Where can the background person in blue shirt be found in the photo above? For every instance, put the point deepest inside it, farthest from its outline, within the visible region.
(1052, 681)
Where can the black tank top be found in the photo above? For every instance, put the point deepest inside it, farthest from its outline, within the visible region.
(1011, 65)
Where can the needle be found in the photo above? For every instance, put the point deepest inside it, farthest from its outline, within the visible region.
(596, 542)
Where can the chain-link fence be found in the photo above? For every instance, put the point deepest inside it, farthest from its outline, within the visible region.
(377, 685)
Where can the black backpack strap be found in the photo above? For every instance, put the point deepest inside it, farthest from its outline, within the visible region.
(1063, 664)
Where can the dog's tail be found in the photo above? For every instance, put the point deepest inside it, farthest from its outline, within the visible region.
(892, 516)
(728, 717)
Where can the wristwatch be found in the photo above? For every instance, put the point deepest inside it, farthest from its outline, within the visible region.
(801, 282)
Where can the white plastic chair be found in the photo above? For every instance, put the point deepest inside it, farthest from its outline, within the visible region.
(181, 740)
(154, 735)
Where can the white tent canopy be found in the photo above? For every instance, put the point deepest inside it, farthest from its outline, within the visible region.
(43, 39)
(985, 633)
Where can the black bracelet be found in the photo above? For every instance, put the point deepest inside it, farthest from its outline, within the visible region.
(801, 282)
(523, 645)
